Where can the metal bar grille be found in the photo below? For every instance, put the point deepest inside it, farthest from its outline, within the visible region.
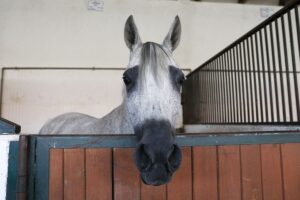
(255, 80)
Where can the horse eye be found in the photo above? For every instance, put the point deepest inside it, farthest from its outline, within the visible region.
(181, 80)
(126, 80)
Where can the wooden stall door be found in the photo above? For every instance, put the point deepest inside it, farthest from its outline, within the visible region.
(248, 172)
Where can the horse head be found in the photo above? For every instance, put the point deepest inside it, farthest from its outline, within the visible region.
(153, 102)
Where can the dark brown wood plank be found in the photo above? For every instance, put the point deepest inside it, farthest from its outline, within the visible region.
(291, 170)
(205, 173)
(98, 164)
(56, 176)
(251, 172)
(180, 186)
(126, 176)
(149, 192)
(229, 172)
(271, 172)
(74, 174)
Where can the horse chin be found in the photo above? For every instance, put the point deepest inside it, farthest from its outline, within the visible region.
(155, 182)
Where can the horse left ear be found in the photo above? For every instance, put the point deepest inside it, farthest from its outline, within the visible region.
(172, 39)
(131, 34)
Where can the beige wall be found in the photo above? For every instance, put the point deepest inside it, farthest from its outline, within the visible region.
(65, 33)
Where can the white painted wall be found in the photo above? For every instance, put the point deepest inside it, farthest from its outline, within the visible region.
(4, 150)
(65, 33)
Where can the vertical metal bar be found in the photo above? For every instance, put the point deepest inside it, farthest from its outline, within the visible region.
(195, 86)
(221, 93)
(233, 87)
(195, 95)
(184, 101)
(274, 73)
(264, 76)
(229, 97)
(238, 58)
(209, 84)
(256, 77)
(287, 70)
(203, 95)
(298, 30)
(217, 89)
(206, 95)
(280, 72)
(211, 92)
(259, 78)
(226, 86)
(246, 73)
(198, 97)
(242, 85)
(224, 82)
(220, 90)
(199, 74)
(189, 102)
(216, 103)
(294, 65)
(250, 71)
(237, 83)
(269, 74)
(212, 83)
(269, 77)
(208, 113)
(193, 98)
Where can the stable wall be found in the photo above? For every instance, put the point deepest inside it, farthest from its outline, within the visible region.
(68, 33)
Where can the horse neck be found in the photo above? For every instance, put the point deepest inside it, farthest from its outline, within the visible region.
(116, 122)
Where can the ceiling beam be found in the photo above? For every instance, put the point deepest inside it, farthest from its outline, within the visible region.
(242, 1)
(283, 2)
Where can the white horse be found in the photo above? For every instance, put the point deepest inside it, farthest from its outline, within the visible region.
(151, 107)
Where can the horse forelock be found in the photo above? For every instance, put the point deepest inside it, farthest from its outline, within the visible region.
(154, 62)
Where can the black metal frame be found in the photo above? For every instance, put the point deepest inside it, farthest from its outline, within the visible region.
(252, 81)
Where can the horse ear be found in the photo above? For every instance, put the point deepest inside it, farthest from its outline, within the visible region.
(131, 35)
(172, 39)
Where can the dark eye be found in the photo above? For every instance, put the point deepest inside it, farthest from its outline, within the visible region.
(181, 79)
(126, 80)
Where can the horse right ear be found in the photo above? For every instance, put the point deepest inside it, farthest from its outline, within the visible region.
(131, 35)
(172, 39)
